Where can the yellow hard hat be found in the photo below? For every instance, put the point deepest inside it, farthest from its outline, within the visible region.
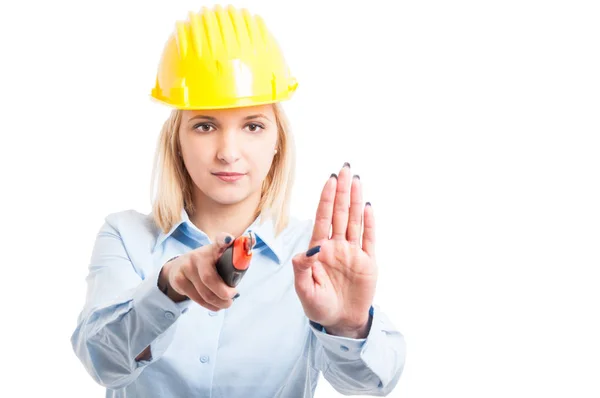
(222, 58)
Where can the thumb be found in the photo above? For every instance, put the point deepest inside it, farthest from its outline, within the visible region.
(222, 241)
(303, 276)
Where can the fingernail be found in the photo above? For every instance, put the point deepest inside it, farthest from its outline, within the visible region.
(236, 296)
(368, 204)
(347, 165)
(357, 176)
(333, 175)
(228, 239)
(311, 252)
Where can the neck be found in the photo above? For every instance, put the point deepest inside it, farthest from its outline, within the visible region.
(212, 217)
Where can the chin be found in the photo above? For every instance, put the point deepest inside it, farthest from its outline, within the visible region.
(228, 198)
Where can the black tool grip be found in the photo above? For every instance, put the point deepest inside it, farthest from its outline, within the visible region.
(230, 275)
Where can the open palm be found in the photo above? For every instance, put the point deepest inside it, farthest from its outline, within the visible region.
(336, 279)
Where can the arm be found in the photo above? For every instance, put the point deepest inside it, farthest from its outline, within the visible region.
(335, 281)
(124, 313)
(166, 288)
(369, 366)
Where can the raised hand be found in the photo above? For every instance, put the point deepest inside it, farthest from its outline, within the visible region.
(336, 278)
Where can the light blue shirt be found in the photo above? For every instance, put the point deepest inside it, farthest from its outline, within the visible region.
(262, 346)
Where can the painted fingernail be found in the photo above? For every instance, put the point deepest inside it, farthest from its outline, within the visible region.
(228, 239)
(347, 165)
(311, 252)
(333, 175)
(236, 296)
(368, 204)
(357, 176)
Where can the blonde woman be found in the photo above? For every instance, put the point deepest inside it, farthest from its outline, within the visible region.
(159, 321)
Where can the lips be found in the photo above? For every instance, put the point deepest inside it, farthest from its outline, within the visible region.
(228, 176)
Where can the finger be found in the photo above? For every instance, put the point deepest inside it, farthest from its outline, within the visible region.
(303, 276)
(356, 211)
(207, 305)
(211, 298)
(207, 295)
(213, 281)
(222, 241)
(368, 240)
(324, 212)
(320, 276)
(342, 203)
(184, 286)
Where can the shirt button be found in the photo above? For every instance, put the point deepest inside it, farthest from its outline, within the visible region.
(204, 359)
(169, 315)
(212, 313)
(344, 348)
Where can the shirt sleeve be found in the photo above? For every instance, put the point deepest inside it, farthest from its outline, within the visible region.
(369, 366)
(124, 313)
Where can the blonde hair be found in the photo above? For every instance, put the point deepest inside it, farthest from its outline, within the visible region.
(175, 186)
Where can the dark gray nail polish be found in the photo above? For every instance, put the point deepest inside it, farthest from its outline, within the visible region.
(357, 176)
(333, 175)
(236, 296)
(311, 252)
(228, 239)
(368, 204)
(347, 164)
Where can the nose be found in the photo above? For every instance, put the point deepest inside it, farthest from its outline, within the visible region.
(228, 149)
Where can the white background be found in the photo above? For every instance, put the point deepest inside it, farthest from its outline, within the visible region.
(473, 125)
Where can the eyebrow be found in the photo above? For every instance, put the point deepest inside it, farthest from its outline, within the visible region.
(258, 115)
(203, 117)
(213, 119)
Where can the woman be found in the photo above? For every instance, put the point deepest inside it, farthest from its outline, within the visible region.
(159, 321)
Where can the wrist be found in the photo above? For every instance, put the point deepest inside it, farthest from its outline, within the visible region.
(353, 332)
(164, 285)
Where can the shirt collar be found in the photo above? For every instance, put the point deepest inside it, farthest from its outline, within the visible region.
(264, 231)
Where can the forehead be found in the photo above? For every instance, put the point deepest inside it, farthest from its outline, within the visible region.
(233, 113)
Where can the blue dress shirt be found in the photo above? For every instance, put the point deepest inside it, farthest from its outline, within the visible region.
(262, 346)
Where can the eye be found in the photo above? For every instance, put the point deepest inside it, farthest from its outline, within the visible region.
(204, 127)
(254, 128)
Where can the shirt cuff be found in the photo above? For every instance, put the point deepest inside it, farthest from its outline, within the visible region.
(345, 347)
(382, 348)
(155, 311)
